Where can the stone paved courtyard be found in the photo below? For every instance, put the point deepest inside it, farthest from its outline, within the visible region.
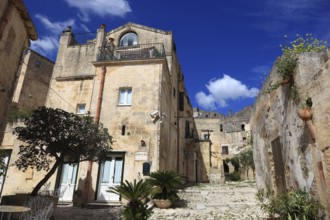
(201, 202)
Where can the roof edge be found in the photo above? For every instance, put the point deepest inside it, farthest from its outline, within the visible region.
(28, 23)
(140, 26)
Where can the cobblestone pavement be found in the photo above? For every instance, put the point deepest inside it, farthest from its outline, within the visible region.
(228, 201)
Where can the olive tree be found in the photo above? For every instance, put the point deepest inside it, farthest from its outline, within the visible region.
(53, 136)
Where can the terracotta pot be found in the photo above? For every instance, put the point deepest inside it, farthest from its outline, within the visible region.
(305, 114)
(163, 203)
(284, 81)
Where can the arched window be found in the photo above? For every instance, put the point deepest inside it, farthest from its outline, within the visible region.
(128, 39)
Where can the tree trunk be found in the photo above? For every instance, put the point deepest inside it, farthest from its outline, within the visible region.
(45, 179)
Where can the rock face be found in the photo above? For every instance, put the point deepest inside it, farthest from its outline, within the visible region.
(286, 155)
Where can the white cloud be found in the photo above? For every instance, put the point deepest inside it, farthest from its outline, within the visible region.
(54, 27)
(45, 45)
(223, 89)
(102, 8)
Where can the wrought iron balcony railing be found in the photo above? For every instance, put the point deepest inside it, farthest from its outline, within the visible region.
(136, 52)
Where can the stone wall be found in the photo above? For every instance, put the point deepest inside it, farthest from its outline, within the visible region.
(285, 154)
(154, 84)
(224, 136)
(30, 92)
(14, 38)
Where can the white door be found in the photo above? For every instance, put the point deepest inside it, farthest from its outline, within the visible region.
(110, 175)
(68, 180)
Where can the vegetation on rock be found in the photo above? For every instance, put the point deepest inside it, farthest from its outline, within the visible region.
(290, 53)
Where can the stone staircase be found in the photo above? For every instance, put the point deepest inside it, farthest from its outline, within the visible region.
(209, 201)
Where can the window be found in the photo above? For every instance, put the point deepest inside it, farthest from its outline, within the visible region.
(81, 109)
(187, 129)
(128, 39)
(181, 101)
(146, 169)
(243, 127)
(207, 136)
(118, 170)
(123, 128)
(221, 128)
(225, 150)
(125, 96)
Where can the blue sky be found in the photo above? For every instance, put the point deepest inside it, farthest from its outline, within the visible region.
(225, 48)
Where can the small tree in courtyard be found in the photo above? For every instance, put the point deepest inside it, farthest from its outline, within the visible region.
(246, 160)
(53, 136)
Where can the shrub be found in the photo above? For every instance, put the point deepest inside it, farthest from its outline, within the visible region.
(294, 205)
(234, 176)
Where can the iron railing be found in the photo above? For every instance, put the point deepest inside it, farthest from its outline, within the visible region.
(136, 52)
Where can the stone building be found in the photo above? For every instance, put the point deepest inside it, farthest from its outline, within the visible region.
(287, 155)
(30, 92)
(16, 31)
(130, 80)
(220, 138)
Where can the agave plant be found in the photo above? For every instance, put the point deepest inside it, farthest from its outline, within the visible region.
(137, 194)
(168, 182)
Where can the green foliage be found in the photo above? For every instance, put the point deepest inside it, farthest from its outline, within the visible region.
(235, 162)
(168, 182)
(137, 194)
(142, 212)
(288, 61)
(295, 204)
(271, 87)
(234, 176)
(54, 134)
(246, 159)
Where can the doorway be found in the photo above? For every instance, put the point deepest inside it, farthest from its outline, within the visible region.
(68, 180)
(110, 174)
(279, 166)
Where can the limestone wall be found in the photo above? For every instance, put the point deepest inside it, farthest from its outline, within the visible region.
(305, 162)
(13, 39)
(154, 88)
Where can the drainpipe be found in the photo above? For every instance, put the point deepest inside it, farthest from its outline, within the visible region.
(97, 121)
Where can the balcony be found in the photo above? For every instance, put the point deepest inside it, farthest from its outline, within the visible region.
(136, 52)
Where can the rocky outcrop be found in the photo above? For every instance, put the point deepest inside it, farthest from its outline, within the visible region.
(286, 155)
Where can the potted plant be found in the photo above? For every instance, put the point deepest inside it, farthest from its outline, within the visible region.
(305, 113)
(168, 182)
(137, 194)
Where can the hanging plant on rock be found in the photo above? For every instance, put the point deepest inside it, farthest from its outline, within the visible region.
(305, 113)
(287, 62)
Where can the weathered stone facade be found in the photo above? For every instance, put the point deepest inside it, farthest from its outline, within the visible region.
(285, 153)
(220, 138)
(30, 92)
(137, 92)
(16, 30)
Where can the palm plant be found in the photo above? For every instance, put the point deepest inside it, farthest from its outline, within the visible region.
(168, 182)
(137, 194)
